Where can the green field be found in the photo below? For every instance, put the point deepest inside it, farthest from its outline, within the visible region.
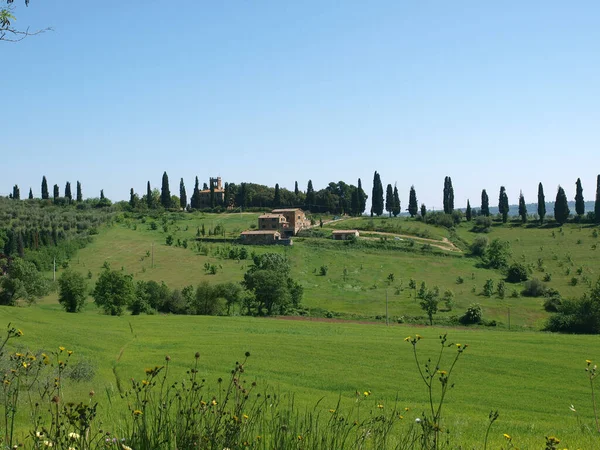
(531, 378)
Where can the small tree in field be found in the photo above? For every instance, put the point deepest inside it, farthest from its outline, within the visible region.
(429, 303)
(72, 291)
(522, 208)
(561, 206)
(114, 292)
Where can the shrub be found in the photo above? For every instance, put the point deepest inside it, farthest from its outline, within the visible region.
(460, 280)
(547, 277)
(482, 224)
(534, 288)
(473, 314)
(552, 304)
(82, 370)
(488, 288)
(497, 254)
(501, 289)
(516, 273)
(323, 270)
(169, 240)
(574, 281)
(479, 246)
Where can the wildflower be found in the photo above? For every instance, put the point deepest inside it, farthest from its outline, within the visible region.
(214, 403)
(137, 412)
(507, 437)
(61, 348)
(202, 403)
(407, 338)
(299, 437)
(70, 352)
(332, 411)
(406, 409)
(48, 443)
(400, 416)
(417, 420)
(71, 448)
(380, 406)
(31, 357)
(145, 382)
(148, 371)
(25, 365)
(572, 408)
(588, 361)
(125, 447)
(418, 336)
(19, 332)
(367, 393)
(442, 372)
(459, 345)
(39, 434)
(245, 416)
(74, 436)
(6, 382)
(258, 438)
(92, 393)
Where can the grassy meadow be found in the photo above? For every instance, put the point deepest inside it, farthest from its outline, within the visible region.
(530, 377)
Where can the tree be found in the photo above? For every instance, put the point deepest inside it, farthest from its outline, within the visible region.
(561, 206)
(22, 281)
(79, 193)
(296, 191)
(16, 193)
(277, 197)
(541, 207)
(429, 303)
(522, 208)
(468, 212)
(149, 201)
(30, 194)
(8, 32)
(448, 196)
(183, 195)
(114, 291)
(413, 206)
(102, 194)
(396, 210)
(45, 195)
(579, 202)
(423, 210)
(268, 279)
(377, 200)
(195, 200)
(165, 193)
(485, 204)
(132, 198)
(362, 199)
(497, 254)
(68, 195)
(389, 199)
(56, 192)
(72, 291)
(211, 197)
(310, 202)
(597, 204)
(503, 204)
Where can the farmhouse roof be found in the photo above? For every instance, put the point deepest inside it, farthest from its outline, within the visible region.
(270, 216)
(256, 232)
(344, 231)
(286, 210)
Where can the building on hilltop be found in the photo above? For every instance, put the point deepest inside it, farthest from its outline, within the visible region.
(277, 227)
(260, 237)
(342, 235)
(219, 192)
(295, 220)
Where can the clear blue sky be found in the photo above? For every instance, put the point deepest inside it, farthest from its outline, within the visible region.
(490, 93)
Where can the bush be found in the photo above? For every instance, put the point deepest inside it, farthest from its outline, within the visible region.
(479, 246)
(482, 224)
(534, 288)
(552, 304)
(169, 240)
(323, 270)
(516, 273)
(82, 370)
(473, 314)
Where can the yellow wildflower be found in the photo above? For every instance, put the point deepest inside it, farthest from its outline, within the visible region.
(588, 361)
(74, 436)
(332, 411)
(507, 437)
(407, 338)
(245, 416)
(61, 348)
(418, 336)
(214, 403)
(19, 332)
(380, 406)
(137, 412)
(70, 352)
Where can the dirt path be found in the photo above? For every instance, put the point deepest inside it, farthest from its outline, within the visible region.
(444, 244)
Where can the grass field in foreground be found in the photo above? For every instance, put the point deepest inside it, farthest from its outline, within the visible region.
(531, 378)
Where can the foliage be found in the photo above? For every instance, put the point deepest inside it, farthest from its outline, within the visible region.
(579, 202)
(488, 288)
(22, 281)
(561, 207)
(503, 206)
(482, 224)
(485, 204)
(389, 199)
(516, 273)
(497, 254)
(479, 246)
(473, 314)
(413, 205)
(429, 303)
(468, 212)
(597, 202)
(541, 208)
(397, 208)
(72, 291)
(522, 208)
(534, 288)
(448, 196)
(114, 292)
(377, 200)
(578, 316)
(165, 193)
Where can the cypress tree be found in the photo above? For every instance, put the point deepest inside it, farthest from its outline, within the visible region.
(30, 194)
(503, 204)
(397, 208)
(468, 212)
(309, 202)
(149, 196)
(211, 197)
(445, 195)
(389, 199)
(561, 207)
(423, 210)
(195, 200)
(56, 192)
(597, 204)
(227, 195)
(485, 204)
(296, 191)
(277, 197)
(413, 206)
(165, 193)
(68, 195)
(45, 194)
(362, 198)
(579, 203)
(183, 195)
(522, 208)
(132, 198)
(79, 193)
(377, 201)
(354, 204)
(541, 207)
(16, 195)
(101, 194)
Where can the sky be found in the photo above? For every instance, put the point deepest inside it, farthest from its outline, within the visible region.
(488, 93)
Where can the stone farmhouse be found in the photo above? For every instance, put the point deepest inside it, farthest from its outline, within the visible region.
(342, 235)
(216, 183)
(277, 227)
